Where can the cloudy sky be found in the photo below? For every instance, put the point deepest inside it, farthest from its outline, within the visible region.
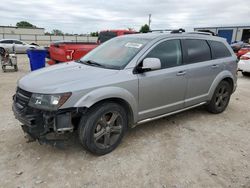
(78, 16)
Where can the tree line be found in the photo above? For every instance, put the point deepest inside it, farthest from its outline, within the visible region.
(25, 24)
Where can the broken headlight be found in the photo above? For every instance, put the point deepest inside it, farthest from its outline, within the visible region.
(50, 102)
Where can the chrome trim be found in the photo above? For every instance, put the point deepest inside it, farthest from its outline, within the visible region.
(170, 113)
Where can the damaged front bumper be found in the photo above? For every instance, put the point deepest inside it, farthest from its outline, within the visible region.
(44, 126)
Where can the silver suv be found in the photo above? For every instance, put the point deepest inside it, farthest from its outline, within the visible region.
(126, 81)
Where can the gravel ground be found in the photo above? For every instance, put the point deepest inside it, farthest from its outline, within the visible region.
(191, 149)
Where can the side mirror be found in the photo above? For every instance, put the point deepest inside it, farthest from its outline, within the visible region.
(149, 64)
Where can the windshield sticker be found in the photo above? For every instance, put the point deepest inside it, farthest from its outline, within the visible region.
(133, 45)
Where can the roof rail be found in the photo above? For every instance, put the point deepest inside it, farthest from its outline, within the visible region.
(168, 30)
(178, 30)
(201, 33)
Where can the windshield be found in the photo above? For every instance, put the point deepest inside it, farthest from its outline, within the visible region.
(115, 53)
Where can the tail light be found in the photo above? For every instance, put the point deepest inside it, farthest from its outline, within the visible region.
(69, 54)
(244, 58)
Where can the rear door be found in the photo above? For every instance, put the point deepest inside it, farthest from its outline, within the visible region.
(162, 91)
(201, 70)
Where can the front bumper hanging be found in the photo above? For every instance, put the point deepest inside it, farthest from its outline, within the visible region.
(44, 126)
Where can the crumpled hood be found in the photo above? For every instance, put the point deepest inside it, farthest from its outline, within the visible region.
(64, 77)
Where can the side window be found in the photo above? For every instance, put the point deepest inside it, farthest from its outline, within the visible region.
(7, 42)
(219, 50)
(169, 52)
(196, 50)
(17, 42)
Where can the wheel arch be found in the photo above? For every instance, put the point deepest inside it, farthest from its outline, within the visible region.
(111, 94)
(122, 103)
(223, 76)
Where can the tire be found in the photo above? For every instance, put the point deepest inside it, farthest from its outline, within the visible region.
(2, 51)
(4, 68)
(221, 98)
(16, 68)
(103, 127)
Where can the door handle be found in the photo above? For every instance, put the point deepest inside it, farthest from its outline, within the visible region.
(215, 66)
(181, 73)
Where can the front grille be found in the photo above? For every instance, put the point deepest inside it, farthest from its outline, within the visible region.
(22, 98)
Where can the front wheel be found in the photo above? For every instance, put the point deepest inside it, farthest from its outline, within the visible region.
(102, 128)
(221, 98)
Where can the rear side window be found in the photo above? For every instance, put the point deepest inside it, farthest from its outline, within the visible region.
(169, 53)
(196, 50)
(219, 50)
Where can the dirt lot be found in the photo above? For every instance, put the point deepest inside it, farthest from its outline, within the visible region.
(191, 149)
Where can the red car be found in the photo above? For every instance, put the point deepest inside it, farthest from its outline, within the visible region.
(68, 51)
(245, 49)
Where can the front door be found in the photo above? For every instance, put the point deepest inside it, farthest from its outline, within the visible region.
(162, 91)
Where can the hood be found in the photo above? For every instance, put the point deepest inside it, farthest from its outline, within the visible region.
(63, 77)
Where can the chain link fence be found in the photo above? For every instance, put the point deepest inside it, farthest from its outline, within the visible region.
(45, 40)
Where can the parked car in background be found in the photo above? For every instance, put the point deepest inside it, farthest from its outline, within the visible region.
(16, 45)
(64, 51)
(245, 49)
(244, 64)
(237, 45)
(127, 80)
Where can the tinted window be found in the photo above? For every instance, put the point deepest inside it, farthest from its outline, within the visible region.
(197, 50)
(169, 52)
(127, 33)
(17, 42)
(219, 50)
(7, 42)
(106, 35)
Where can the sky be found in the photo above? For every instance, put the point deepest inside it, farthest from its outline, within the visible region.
(83, 16)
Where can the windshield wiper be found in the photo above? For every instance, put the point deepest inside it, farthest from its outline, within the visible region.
(91, 62)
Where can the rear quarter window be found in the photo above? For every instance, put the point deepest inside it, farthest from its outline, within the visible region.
(219, 50)
(196, 50)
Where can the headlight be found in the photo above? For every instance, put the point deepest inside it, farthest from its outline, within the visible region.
(48, 102)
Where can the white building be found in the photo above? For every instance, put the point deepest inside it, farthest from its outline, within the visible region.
(231, 33)
(21, 31)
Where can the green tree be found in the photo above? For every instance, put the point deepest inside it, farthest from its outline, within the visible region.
(25, 24)
(56, 32)
(144, 29)
(94, 34)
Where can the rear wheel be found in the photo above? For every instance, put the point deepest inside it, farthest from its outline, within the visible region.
(102, 128)
(220, 98)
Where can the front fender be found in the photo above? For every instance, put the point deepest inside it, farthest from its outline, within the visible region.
(106, 93)
(222, 75)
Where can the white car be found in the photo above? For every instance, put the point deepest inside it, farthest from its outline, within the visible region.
(16, 45)
(244, 64)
